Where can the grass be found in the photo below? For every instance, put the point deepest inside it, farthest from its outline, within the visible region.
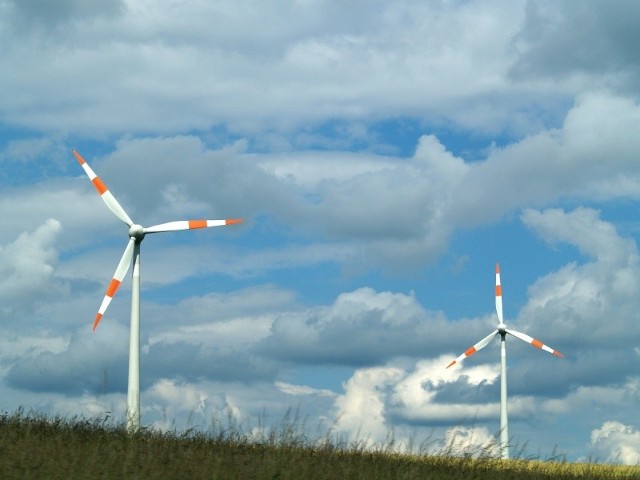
(34, 446)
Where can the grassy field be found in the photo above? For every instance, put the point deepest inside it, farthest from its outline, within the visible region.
(33, 446)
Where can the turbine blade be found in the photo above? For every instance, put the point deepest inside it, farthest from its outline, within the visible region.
(190, 225)
(498, 294)
(478, 346)
(121, 271)
(535, 342)
(103, 191)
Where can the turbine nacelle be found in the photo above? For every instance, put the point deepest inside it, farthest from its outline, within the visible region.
(136, 232)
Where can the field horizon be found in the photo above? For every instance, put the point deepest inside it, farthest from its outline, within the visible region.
(36, 446)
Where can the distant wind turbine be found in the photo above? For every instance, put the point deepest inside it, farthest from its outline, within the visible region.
(502, 331)
(132, 251)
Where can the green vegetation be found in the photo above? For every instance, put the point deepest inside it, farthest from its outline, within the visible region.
(34, 446)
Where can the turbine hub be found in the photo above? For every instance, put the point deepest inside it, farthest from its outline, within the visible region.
(502, 329)
(137, 232)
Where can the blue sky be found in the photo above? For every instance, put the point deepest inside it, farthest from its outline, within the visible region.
(384, 156)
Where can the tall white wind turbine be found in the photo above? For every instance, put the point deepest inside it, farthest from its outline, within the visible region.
(132, 252)
(502, 330)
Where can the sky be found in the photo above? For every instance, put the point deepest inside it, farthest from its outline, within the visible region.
(384, 156)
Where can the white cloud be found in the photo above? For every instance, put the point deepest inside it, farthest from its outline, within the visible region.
(176, 398)
(34, 13)
(278, 65)
(589, 45)
(415, 399)
(89, 363)
(385, 324)
(583, 228)
(254, 110)
(361, 410)
(14, 345)
(27, 269)
(303, 390)
(574, 301)
(616, 442)
(375, 210)
(235, 335)
(401, 211)
(470, 441)
(408, 401)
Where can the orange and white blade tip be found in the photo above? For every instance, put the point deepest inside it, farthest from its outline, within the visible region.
(108, 296)
(467, 353)
(231, 221)
(95, 179)
(534, 342)
(538, 344)
(78, 157)
(97, 321)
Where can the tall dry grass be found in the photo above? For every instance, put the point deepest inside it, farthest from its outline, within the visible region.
(35, 446)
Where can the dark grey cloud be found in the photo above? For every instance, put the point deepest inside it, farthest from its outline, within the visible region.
(153, 176)
(275, 74)
(97, 363)
(587, 368)
(463, 391)
(396, 211)
(50, 14)
(364, 328)
(195, 363)
(565, 39)
(174, 67)
(91, 363)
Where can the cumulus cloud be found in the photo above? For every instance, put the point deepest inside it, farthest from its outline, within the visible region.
(470, 441)
(247, 66)
(589, 303)
(585, 309)
(361, 410)
(38, 13)
(584, 229)
(292, 114)
(616, 442)
(436, 193)
(303, 390)
(255, 334)
(89, 363)
(590, 43)
(429, 394)
(210, 337)
(385, 325)
(271, 69)
(406, 394)
(605, 286)
(370, 210)
(172, 399)
(401, 211)
(27, 269)
(400, 402)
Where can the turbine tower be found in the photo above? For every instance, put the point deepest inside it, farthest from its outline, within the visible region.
(132, 252)
(502, 330)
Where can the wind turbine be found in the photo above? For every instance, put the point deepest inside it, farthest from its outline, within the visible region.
(132, 252)
(502, 330)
